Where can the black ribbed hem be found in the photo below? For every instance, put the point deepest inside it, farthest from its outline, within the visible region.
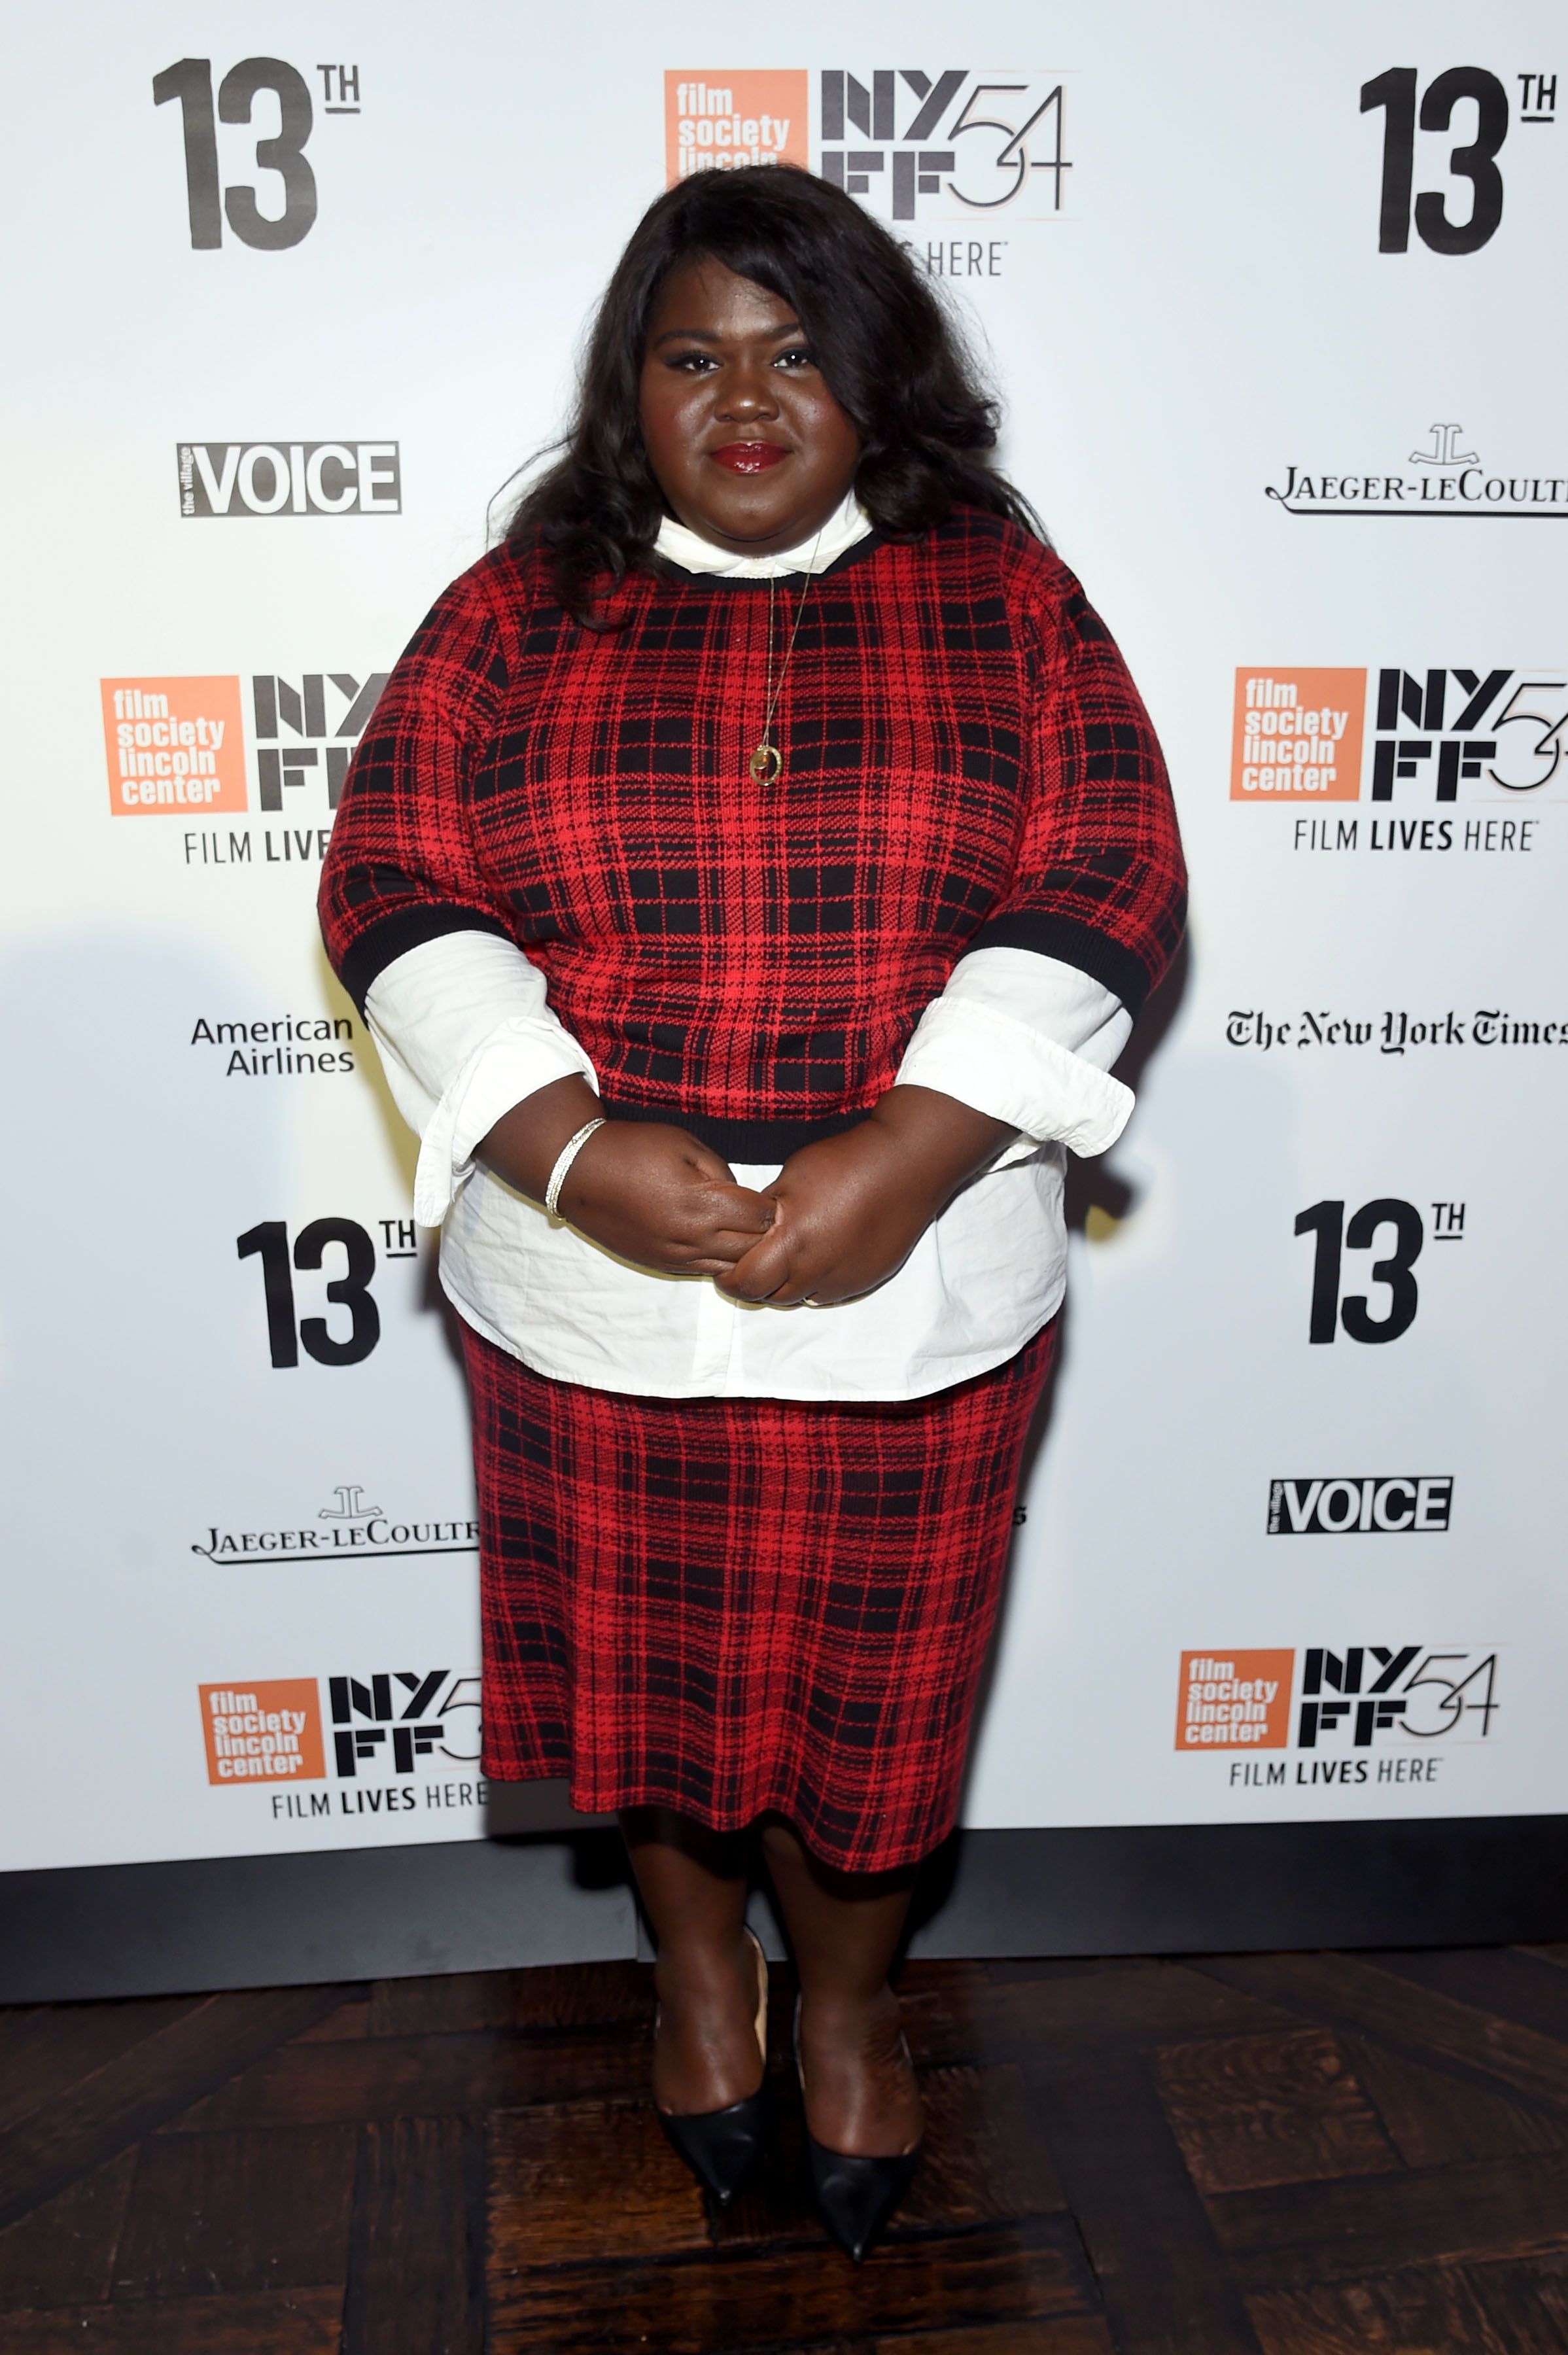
(738, 1140)
(390, 937)
(1072, 943)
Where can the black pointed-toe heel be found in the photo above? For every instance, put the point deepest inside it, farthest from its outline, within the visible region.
(721, 2147)
(855, 2196)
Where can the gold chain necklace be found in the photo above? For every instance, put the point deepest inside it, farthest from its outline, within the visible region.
(766, 764)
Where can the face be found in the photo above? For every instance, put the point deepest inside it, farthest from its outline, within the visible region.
(746, 442)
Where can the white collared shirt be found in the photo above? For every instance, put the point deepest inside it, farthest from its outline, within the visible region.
(465, 1031)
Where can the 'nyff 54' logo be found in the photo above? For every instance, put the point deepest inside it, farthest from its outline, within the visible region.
(294, 731)
(964, 142)
(388, 1721)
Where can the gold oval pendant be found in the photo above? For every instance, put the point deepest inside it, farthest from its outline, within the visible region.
(766, 764)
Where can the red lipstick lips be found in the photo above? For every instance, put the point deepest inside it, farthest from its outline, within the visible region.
(748, 457)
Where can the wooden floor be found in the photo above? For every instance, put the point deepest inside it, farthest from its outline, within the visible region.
(1286, 2155)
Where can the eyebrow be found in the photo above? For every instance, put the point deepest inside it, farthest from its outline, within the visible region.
(706, 335)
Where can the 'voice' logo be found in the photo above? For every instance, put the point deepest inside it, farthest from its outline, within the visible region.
(1374, 1503)
(270, 478)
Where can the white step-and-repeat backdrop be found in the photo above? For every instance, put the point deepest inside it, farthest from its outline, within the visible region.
(1273, 297)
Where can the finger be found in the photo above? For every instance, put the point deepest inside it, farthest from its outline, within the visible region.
(757, 1274)
(796, 1287)
(711, 1252)
(726, 1251)
(730, 1222)
(741, 1211)
(705, 1209)
(695, 1238)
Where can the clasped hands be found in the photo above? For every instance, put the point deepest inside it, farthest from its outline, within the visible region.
(842, 1215)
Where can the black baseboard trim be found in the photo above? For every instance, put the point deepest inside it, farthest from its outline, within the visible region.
(360, 1914)
(1174, 1889)
(294, 1921)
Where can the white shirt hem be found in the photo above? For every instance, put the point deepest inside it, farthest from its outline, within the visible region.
(555, 1366)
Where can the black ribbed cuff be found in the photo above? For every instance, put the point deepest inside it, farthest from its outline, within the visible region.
(391, 936)
(1116, 968)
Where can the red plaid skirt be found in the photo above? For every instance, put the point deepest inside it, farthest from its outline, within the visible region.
(729, 1606)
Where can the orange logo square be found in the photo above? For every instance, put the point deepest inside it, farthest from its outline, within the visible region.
(1298, 735)
(263, 1733)
(713, 121)
(175, 746)
(1234, 1700)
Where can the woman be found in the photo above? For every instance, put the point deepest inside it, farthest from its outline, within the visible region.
(750, 876)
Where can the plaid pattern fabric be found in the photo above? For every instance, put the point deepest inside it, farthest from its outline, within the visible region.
(733, 1606)
(967, 764)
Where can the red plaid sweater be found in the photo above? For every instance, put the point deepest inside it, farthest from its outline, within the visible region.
(966, 764)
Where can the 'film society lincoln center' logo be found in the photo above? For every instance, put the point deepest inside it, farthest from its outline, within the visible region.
(714, 121)
(174, 744)
(267, 1733)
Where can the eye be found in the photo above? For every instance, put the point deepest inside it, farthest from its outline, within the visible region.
(692, 363)
(799, 355)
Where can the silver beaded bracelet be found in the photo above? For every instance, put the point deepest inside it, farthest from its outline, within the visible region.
(563, 1161)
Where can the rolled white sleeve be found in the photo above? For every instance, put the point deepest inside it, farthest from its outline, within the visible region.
(1028, 1041)
(463, 1032)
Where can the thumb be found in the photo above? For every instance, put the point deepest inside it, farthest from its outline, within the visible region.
(761, 1270)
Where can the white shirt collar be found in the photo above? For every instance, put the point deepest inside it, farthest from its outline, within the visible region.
(849, 524)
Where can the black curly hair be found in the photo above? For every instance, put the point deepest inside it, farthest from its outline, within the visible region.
(889, 352)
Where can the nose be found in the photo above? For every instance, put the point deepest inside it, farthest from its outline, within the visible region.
(749, 394)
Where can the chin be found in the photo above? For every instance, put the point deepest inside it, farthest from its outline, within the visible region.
(754, 519)
(751, 527)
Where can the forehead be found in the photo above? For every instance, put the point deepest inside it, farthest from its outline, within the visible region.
(705, 296)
